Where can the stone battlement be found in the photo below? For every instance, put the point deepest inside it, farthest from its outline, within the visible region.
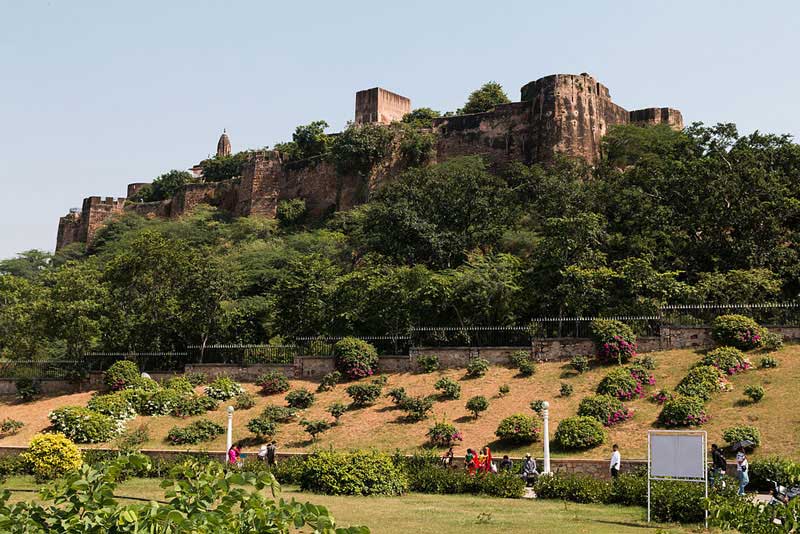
(557, 114)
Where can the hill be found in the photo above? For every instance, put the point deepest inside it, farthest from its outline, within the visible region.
(381, 426)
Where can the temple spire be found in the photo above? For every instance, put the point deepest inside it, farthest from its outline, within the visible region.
(223, 145)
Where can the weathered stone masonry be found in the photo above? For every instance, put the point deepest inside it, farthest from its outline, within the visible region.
(558, 114)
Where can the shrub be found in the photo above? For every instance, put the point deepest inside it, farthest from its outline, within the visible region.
(291, 212)
(273, 382)
(263, 427)
(328, 381)
(244, 401)
(381, 380)
(364, 394)
(82, 425)
(28, 389)
(771, 341)
(433, 479)
(641, 375)
(223, 388)
(427, 363)
(579, 363)
(620, 383)
(477, 404)
(51, 456)
(398, 395)
(519, 428)
(144, 383)
(683, 410)
(196, 432)
(300, 398)
(279, 414)
(677, 502)
(574, 488)
(661, 396)
(737, 331)
(579, 432)
(121, 375)
(359, 147)
(606, 409)
(417, 408)
(737, 433)
(615, 341)
(477, 367)
(701, 382)
(355, 358)
(754, 392)
(161, 402)
(9, 427)
(354, 473)
(132, 440)
(527, 368)
(190, 405)
(566, 390)
(314, 428)
(504, 390)
(538, 406)
(450, 389)
(114, 405)
(775, 468)
(727, 359)
(443, 434)
(336, 410)
(645, 361)
(518, 357)
(180, 384)
(768, 362)
(196, 378)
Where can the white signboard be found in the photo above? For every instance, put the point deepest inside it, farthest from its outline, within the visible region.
(677, 455)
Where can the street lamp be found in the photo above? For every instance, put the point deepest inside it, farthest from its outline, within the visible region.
(229, 441)
(546, 432)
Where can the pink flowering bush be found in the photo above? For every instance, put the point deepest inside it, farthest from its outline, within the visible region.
(702, 381)
(355, 358)
(615, 341)
(621, 384)
(683, 411)
(737, 331)
(729, 360)
(605, 408)
(519, 428)
(642, 375)
(443, 434)
(661, 396)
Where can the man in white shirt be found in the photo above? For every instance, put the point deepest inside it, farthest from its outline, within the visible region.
(615, 461)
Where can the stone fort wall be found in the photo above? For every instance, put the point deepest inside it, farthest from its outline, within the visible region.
(558, 114)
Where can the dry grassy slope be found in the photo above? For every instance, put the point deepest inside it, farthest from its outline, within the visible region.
(381, 425)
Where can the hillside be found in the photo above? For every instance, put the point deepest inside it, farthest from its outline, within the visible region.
(381, 426)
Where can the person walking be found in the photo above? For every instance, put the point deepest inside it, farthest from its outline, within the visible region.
(234, 454)
(616, 460)
(262, 454)
(719, 465)
(741, 470)
(272, 448)
(469, 464)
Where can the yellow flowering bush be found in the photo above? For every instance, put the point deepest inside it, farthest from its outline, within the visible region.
(52, 455)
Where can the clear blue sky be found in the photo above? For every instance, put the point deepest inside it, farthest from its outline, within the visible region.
(94, 95)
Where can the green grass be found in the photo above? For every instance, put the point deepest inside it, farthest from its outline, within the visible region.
(441, 514)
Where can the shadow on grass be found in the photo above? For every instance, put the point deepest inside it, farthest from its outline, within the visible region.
(464, 419)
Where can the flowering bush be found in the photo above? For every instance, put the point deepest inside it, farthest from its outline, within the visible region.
(579, 432)
(519, 428)
(450, 389)
(754, 392)
(620, 383)
(738, 433)
(683, 410)
(196, 432)
(615, 341)
(355, 358)
(82, 425)
(161, 402)
(477, 367)
(121, 375)
(645, 361)
(114, 405)
(605, 408)
(443, 434)
(477, 404)
(364, 394)
(702, 382)
(272, 382)
(300, 398)
(729, 360)
(179, 383)
(737, 331)
(642, 375)
(51, 456)
(223, 388)
(328, 381)
(771, 342)
(661, 396)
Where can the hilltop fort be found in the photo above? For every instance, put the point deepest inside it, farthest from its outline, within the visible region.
(558, 114)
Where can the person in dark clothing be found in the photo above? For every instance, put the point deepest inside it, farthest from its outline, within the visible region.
(506, 464)
(719, 464)
(271, 448)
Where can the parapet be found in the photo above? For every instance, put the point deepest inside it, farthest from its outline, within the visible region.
(380, 105)
(135, 188)
(669, 116)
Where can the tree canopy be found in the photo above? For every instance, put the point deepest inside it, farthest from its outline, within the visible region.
(486, 98)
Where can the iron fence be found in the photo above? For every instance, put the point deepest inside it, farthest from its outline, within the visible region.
(766, 314)
(324, 345)
(150, 362)
(243, 355)
(39, 369)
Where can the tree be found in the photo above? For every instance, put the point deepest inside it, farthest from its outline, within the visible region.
(164, 187)
(302, 296)
(357, 149)
(421, 117)
(221, 168)
(486, 98)
(29, 264)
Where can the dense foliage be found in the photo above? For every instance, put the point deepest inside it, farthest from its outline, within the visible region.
(273, 382)
(355, 358)
(737, 331)
(196, 432)
(681, 411)
(701, 381)
(615, 341)
(519, 428)
(486, 98)
(738, 433)
(605, 408)
(52, 455)
(579, 432)
(83, 425)
(355, 473)
(729, 360)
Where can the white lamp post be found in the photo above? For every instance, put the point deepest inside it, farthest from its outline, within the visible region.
(229, 441)
(546, 432)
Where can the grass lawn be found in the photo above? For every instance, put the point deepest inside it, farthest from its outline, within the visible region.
(440, 514)
(381, 426)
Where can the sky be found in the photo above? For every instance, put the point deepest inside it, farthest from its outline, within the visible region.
(98, 94)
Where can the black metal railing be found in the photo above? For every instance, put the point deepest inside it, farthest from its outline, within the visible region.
(323, 346)
(39, 369)
(766, 314)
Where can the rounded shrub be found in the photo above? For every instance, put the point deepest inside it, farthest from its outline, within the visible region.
(565, 390)
(223, 388)
(579, 363)
(771, 342)
(642, 375)
(114, 405)
(737, 331)
(615, 341)
(273, 382)
(364, 394)
(538, 406)
(519, 428)
(355, 358)
(738, 433)
(300, 398)
(754, 392)
(161, 402)
(279, 414)
(661, 396)
(443, 434)
(477, 367)
(82, 425)
(337, 409)
(51, 456)
(180, 384)
(417, 408)
(701, 381)
(605, 408)
(315, 427)
(449, 388)
(477, 404)
(262, 427)
(427, 363)
(328, 381)
(398, 395)
(196, 432)
(190, 405)
(682, 411)
(121, 375)
(620, 383)
(579, 432)
(27, 389)
(768, 362)
(244, 401)
(352, 473)
(729, 360)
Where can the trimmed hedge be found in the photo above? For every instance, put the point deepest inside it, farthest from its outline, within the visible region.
(353, 473)
(620, 383)
(683, 410)
(579, 432)
(519, 428)
(701, 381)
(82, 425)
(737, 331)
(438, 480)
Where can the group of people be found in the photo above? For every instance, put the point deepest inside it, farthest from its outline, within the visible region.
(719, 466)
(482, 462)
(265, 454)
